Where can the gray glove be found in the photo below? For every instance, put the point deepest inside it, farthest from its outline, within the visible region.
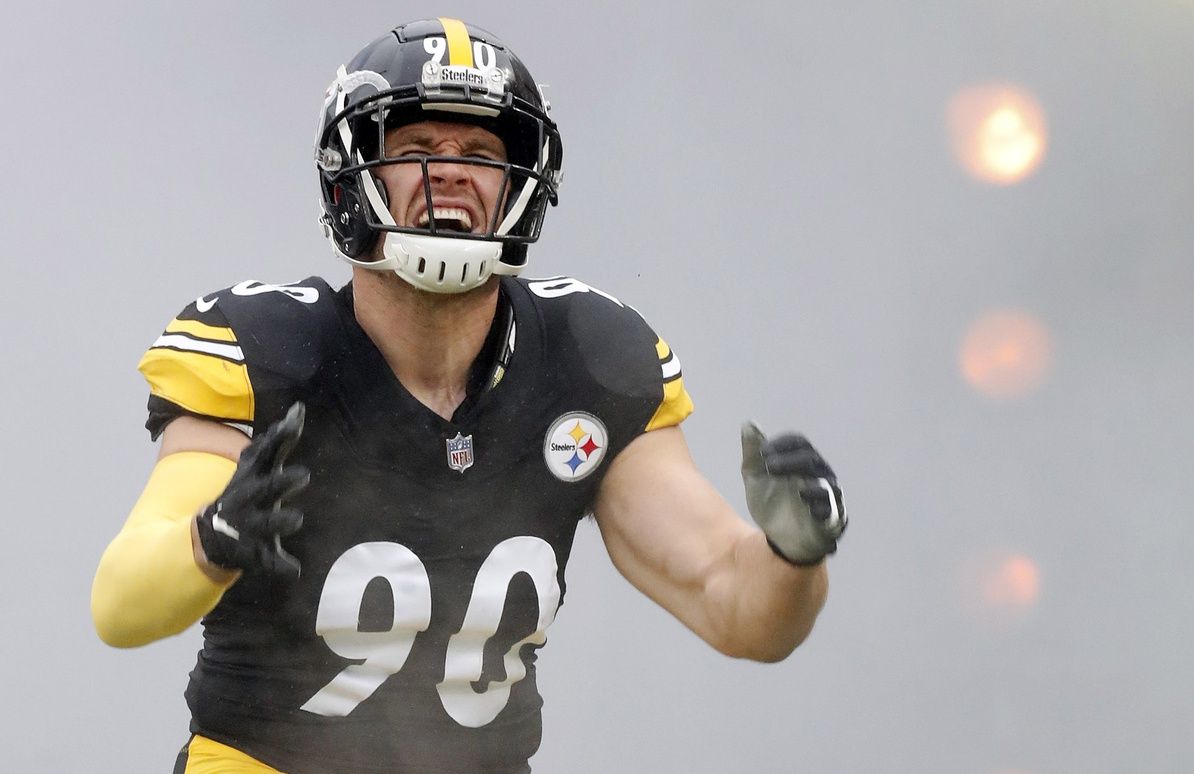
(793, 495)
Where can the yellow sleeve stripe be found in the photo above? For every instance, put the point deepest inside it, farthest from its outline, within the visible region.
(675, 407)
(207, 756)
(200, 330)
(676, 403)
(460, 48)
(668, 362)
(199, 382)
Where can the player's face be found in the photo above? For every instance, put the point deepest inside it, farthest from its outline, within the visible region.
(464, 196)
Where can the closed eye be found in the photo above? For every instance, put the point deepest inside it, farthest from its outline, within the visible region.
(406, 152)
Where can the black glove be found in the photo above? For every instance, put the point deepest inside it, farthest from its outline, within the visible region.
(793, 495)
(243, 528)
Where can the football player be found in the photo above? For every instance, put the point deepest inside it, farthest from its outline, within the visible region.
(369, 494)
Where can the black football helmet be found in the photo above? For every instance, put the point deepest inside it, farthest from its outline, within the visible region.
(442, 70)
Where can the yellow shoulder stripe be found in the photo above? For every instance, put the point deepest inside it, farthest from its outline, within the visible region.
(201, 383)
(203, 331)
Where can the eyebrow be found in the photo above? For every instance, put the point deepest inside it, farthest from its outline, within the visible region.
(415, 138)
(471, 142)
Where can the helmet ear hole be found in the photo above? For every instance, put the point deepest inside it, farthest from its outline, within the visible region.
(352, 234)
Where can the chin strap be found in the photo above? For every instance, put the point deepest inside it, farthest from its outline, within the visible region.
(441, 264)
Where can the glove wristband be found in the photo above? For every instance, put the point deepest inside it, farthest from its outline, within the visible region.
(793, 562)
(214, 532)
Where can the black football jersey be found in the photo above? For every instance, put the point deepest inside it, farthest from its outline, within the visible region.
(432, 551)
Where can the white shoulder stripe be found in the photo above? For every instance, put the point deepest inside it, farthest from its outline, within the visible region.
(186, 343)
(671, 367)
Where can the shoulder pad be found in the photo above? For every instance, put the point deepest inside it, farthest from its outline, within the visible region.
(616, 345)
(217, 357)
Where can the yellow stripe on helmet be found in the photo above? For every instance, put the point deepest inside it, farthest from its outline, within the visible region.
(460, 48)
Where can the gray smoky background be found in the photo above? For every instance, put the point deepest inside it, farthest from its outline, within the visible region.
(1000, 372)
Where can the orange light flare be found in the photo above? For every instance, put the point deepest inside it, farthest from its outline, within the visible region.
(1006, 354)
(1001, 586)
(998, 132)
(1013, 584)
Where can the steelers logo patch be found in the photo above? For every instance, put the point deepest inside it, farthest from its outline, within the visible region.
(575, 445)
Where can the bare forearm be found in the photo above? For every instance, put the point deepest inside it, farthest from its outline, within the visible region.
(673, 536)
(742, 599)
(764, 606)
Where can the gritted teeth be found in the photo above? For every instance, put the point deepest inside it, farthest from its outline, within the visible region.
(448, 217)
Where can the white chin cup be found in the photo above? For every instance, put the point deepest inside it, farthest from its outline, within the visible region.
(442, 264)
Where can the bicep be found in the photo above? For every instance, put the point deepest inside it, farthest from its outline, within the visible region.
(187, 433)
(192, 469)
(666, 528)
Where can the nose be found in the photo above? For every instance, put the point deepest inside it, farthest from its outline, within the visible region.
(443, 173)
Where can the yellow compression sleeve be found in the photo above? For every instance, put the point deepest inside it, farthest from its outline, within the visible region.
(148, 585)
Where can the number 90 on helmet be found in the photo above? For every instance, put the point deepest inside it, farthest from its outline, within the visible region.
(435, 70)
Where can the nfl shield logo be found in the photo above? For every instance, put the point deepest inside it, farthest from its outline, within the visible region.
(460, 452)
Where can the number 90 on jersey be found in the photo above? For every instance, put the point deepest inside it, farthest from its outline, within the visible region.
(384, 653)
